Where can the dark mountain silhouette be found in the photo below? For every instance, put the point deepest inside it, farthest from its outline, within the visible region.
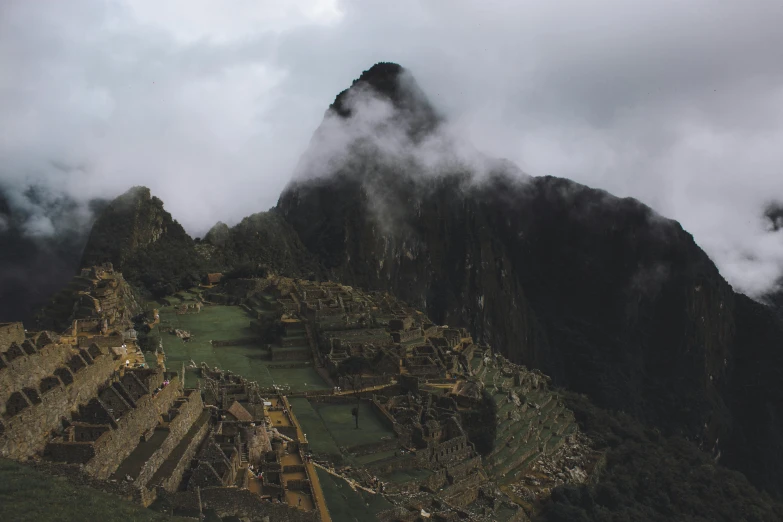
(141, 239)
(155, 254)
(260, 242)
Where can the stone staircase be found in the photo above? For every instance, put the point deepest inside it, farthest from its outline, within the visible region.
(243, 453)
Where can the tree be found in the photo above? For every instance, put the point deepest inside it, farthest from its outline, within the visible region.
(353, 370)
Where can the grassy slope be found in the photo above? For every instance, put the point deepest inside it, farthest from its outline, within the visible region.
(28, 494)
(222, 323)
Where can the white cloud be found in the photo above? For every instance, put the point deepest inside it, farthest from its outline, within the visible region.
(193, 20)
(211, 104)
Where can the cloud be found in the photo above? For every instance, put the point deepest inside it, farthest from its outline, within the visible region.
(211, 104)
(410, 136)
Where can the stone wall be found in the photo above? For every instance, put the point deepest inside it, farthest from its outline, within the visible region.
(407, 336)
(298, 484)
(11, 333)
(173, 469)
(113, 447)
(294, 342)
(451, 451)
(463, 493)
(383, 415)
(404, 462)
(29, 370)
(189, 410)
(76, 476)
(71, 452)
(459, 470)
(28, 431)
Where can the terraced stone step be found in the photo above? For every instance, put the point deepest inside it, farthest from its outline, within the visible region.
(547, 403)
(173, 459)
(515, 428)
(544, 439)
(555, 443)
(516, 457)
(507, 451)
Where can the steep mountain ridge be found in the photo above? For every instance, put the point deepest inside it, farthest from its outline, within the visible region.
(141, 239)
(262, 241)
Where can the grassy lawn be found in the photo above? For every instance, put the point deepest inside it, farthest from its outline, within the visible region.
(409, 475)
(27, 494)
(347, 505)
(341, 425)
(330, 426)
(374, 457)
(220, 323)
(321, 441)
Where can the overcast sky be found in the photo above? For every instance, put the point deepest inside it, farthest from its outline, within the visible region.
(211, 103)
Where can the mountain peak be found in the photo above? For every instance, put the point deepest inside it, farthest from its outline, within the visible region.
(393, 83)
(383, 78)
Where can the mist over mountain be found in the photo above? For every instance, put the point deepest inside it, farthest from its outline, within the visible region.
(42, 234)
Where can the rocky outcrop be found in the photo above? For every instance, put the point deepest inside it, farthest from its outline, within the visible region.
(260, 242)
(141, 239)
(601, 293)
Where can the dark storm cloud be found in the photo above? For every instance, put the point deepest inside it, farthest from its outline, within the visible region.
(679, 104)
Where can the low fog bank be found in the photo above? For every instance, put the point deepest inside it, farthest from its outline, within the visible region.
(42, 235)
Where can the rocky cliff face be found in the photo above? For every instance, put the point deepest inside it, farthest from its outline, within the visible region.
(754, 393)
(599, 292)
(143, 241)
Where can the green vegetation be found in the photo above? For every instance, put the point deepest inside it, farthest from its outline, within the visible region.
(402, 476)
(652, 478)
(222, 323)
(27, 494)
(260, 242)
(340, 423)
(331, 426)
(321, 443)
(146, 244)
(347, 505)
